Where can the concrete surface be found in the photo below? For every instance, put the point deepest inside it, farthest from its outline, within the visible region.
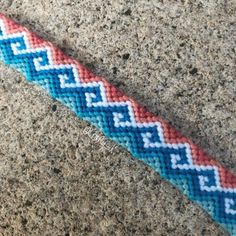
(176, 57)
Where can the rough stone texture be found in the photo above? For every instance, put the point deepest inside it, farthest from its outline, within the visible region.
(176, 57)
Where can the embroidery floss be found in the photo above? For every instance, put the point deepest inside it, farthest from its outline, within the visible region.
(145, 135)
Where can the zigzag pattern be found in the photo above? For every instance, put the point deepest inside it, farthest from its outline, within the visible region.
(146, 136)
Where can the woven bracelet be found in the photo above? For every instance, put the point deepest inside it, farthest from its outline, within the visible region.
(123, 120)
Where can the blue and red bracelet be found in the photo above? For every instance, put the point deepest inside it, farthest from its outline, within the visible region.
(123, 120)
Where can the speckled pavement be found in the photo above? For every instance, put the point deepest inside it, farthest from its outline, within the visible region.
(58, 175)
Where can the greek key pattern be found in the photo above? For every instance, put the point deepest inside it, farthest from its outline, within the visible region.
(120, 118)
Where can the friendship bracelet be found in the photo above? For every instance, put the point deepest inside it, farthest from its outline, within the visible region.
(123, 120)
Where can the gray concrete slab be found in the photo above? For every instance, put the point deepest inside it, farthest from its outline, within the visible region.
(176, 57)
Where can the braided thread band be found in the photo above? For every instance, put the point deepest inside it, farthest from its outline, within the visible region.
(145, 135)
